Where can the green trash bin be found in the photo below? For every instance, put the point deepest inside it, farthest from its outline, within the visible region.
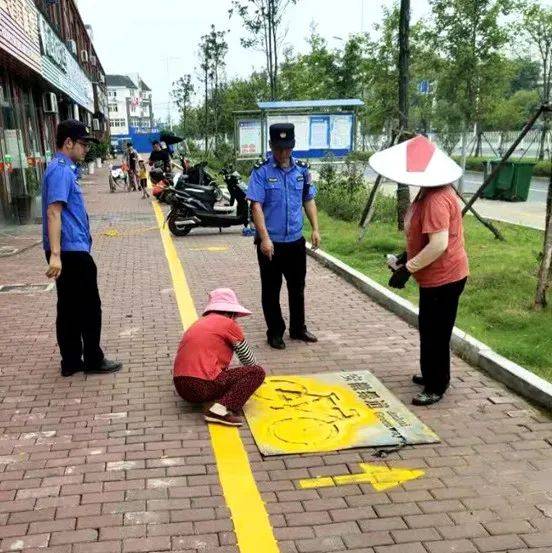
(523, 173)
(512, 182)
(490, 193)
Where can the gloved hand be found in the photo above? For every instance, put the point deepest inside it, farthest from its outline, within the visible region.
(399, 278)
(395, 262)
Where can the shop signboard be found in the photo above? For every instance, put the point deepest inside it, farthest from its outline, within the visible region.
(101, 101)
(61, 69)
(19, 32)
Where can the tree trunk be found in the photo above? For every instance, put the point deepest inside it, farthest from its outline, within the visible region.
(479, 141)
(403, 191)
(544, 133)
(206, 110)
(275, 47)
(463, 158)
(271, 52)
(546, 263)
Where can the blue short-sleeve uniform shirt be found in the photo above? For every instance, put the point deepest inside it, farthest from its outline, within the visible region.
(282, 193)
(60, 185)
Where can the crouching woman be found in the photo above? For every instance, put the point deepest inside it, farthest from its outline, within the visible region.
(202, 373)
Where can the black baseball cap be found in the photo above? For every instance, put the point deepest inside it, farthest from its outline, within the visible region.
(75, 130)
(282, 135)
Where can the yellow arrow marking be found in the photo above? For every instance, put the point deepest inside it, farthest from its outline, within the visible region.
(380, 476)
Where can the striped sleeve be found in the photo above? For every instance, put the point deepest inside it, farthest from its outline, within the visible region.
(244, 353)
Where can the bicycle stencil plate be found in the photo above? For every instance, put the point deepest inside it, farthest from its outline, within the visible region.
(327, 412)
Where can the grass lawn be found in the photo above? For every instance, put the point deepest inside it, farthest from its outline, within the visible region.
(496, 306)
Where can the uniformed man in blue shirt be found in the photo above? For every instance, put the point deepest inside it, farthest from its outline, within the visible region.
(279, 188)
(67, 243)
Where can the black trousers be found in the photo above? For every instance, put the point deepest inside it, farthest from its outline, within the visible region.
(79, 311)
(438, 309)
(289, 261)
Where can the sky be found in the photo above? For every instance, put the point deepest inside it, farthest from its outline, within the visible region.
(159, 39)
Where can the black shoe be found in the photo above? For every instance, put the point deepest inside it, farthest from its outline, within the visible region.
(426, 398)
(71, 371)
(304, 336)
(418, 379)
(276, 342)
(106, 366)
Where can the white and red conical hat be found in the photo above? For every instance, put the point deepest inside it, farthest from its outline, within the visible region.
(417, 162)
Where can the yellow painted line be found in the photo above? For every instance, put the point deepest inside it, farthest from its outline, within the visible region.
(249, 515)
(210, 249)
(381, 477)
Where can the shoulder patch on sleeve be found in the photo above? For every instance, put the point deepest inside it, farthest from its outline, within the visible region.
(260, 163)
(303, 164)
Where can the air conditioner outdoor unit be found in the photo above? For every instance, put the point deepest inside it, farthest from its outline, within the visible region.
(84, 55)
(96, 125)
(93, 60)
(72, 45)
(49, 102)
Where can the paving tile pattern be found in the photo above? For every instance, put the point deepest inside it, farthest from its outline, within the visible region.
(118, 464)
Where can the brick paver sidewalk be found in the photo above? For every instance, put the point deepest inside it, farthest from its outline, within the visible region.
(120, 464)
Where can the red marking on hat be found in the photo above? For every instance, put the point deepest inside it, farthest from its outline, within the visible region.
(419, 152)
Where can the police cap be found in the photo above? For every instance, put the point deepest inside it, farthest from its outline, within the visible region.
(282, 135)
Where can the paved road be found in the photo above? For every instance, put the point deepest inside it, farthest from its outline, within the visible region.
(473, 180)
(119, 464)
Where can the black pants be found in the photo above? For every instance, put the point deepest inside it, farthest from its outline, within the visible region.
(438, 309)
(289, 261)
(79, 311)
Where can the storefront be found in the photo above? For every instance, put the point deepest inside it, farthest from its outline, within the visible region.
(61, 70)
(21, 151)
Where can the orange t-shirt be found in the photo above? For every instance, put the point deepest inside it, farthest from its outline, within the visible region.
(438, 210)
(207, 347)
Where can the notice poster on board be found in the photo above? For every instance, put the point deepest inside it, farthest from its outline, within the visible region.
(250, 137)
(302, 129)
(341, 132)
(319, 133)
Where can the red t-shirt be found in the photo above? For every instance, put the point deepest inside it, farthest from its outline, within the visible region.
(438, 210)
(207, 347)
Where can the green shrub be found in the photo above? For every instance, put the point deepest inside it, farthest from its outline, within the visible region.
(358, 155)
(343, 195)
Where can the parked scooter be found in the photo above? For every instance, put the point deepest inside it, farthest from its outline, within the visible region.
(189, 210)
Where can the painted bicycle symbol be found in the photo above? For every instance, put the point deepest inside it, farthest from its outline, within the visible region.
(301, 416)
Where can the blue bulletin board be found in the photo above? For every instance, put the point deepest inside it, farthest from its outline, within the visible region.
(318, 135)
(322, 127)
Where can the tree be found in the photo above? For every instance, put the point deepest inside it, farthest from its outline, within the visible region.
(212, 53)
(218, 49)
(182, 92)
(469, 37)
(205, 68)
(403, 191)
(537, 23)
(263, 20)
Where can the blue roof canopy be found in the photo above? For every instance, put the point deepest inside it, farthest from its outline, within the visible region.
(307, 104)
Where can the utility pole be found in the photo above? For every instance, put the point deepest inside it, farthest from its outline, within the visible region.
(403, 191)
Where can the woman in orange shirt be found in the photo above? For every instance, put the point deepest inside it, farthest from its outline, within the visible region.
(202, 373)
(435, 256)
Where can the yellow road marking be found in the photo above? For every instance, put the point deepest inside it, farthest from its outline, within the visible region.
(249, 515)
(113, 232)
(211, 249)
(380, 476)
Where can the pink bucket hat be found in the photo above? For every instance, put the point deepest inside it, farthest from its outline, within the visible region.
(225, 299)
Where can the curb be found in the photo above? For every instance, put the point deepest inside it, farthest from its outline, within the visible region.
(476, 353)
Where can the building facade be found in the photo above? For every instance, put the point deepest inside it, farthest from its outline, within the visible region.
(49, 71)
(130, 108)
